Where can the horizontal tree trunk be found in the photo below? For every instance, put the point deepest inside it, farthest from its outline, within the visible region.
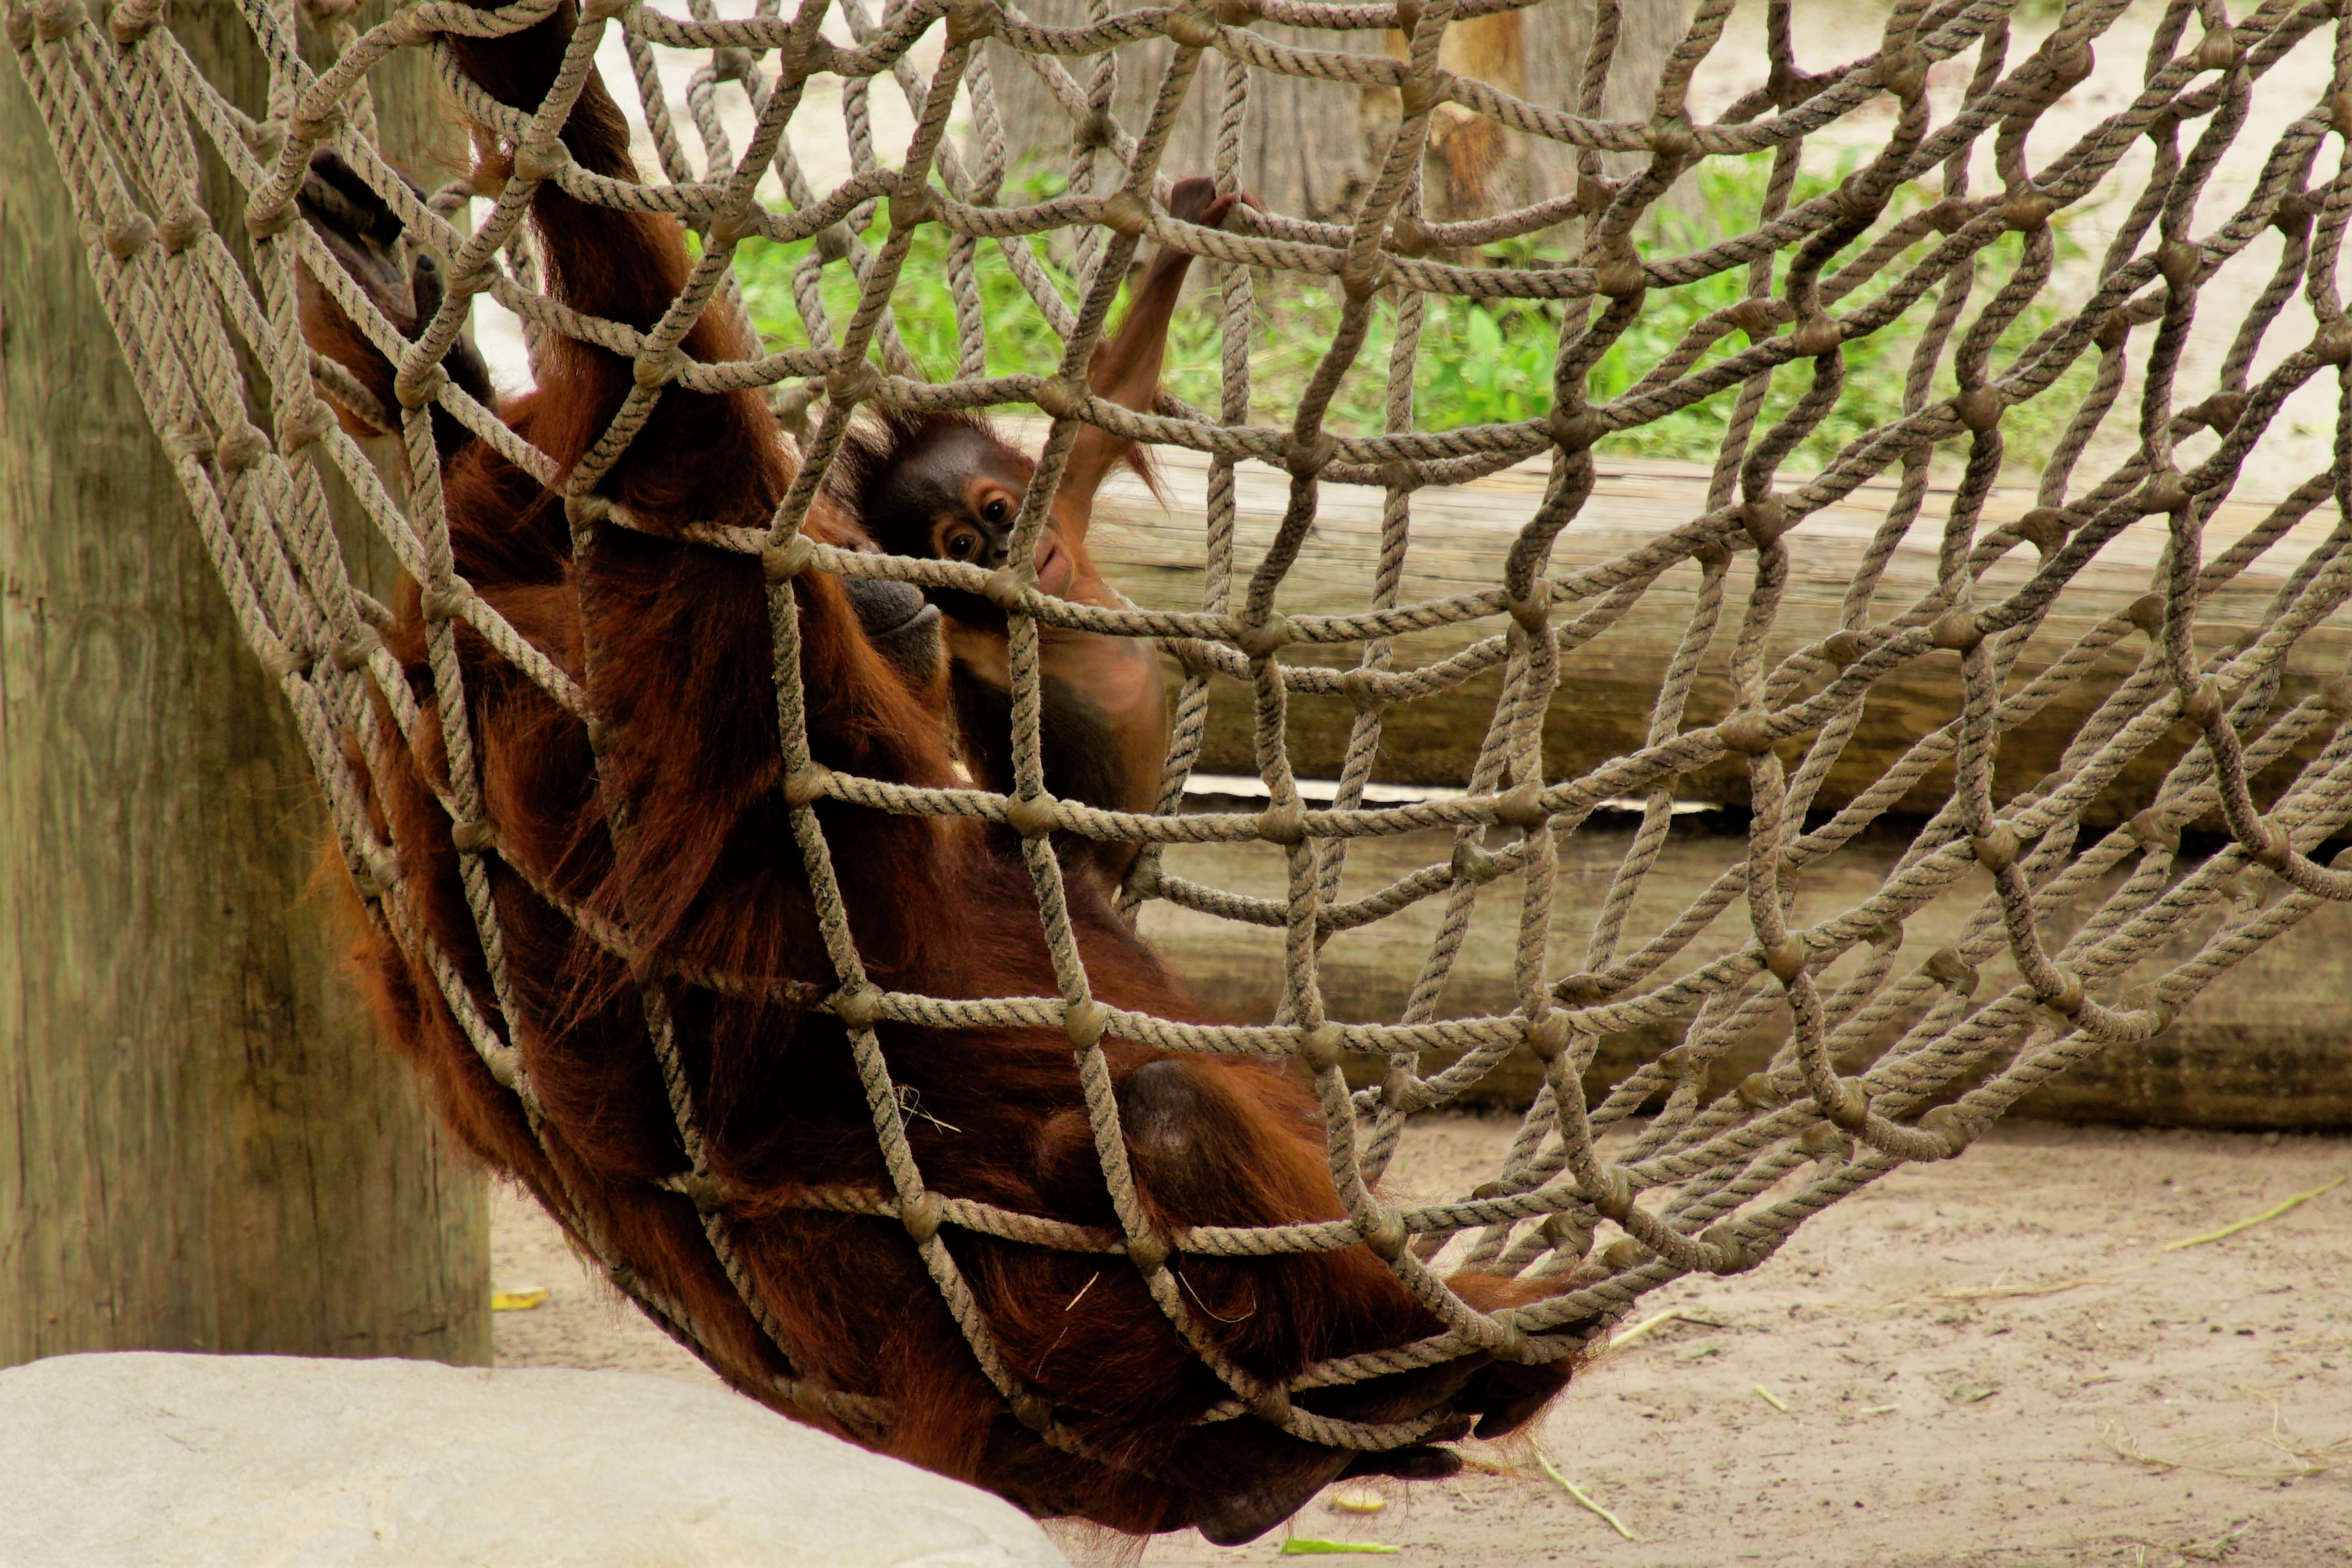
(1601, 710)
(2268, 1045)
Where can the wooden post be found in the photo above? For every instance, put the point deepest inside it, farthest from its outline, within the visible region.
(201, 1147)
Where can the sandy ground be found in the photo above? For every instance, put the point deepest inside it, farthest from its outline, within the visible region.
(1992, 1362)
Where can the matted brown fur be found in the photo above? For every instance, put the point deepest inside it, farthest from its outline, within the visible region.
(709, 874)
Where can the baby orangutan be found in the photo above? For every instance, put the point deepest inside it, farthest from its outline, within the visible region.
(948, 486)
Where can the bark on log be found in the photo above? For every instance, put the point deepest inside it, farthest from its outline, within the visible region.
(201, 1148)
(2268, 1045)
(1601, 710)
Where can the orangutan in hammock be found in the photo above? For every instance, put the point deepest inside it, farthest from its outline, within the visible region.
(705, 877)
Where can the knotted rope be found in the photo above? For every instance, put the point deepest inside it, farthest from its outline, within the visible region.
(1707, 1184)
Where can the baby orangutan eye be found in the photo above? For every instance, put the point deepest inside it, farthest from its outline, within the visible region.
(993, 511)
(962, 544)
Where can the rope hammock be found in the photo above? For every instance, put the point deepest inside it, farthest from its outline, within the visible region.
(1708, 1183)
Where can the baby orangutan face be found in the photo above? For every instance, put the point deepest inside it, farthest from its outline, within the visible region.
(950, 489)
(979, 533)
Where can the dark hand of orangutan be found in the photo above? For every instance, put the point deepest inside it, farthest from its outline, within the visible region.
(363, 234)
(1194, 199)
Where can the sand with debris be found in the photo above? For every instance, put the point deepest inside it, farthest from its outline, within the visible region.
(1994, 1360)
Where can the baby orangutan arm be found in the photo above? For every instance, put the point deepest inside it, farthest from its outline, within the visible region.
(946, 486)
(1126, 368)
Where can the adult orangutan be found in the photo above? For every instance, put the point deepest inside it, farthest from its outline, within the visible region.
(706, 878)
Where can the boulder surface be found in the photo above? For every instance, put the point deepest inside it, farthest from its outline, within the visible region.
(142, 1460)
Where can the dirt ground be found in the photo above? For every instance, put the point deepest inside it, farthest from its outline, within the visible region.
(1992, 1362)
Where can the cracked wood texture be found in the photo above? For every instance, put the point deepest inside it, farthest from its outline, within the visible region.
(1462, 533)
(200, 1147)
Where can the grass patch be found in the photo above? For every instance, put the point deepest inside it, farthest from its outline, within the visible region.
(1481, 361)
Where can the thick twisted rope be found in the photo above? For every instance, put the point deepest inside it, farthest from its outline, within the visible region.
(1694, 1189)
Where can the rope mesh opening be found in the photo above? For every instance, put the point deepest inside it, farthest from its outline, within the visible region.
(1707, 1182)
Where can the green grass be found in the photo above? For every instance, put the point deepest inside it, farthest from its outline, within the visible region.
(1480, 362)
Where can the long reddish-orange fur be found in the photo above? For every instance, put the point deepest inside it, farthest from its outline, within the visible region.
(708, 874)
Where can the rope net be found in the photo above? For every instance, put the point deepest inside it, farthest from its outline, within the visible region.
(1708, 1182)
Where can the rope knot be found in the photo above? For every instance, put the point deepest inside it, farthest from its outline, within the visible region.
(54, 19)
(1411, 238)
(183, 226)
(1621, 276)
(1996, 847)
(1190, 29)
(854, 383)
(1766, 519)
(1123, 212)
(969, 21)
(1947, 1123)
(922, 1215)
(1032, 815)
(1060, 396)
(1084, 1023)
(1956, 631)
(1474, 864)
(129, 22)
(807, 786)
(1850, 1107)
(914, 203)
(860, 1009)
(1304, 456)
(1260, 639)
(1285, 824)
(1418, 95)
(1548, 1036)
(1948, 966)
(1574, 431)
(1522, 808)
(1614, 1198)
(2045, 528)
(1386, 1236)
(242, 447)
(302, 423)
(2218, 49)
(1979, 409)
(2165, 491)
(1744, 733)
(2026, 210)
(782, 563)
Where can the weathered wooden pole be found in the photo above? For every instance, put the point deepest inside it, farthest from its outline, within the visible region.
(201, 1148)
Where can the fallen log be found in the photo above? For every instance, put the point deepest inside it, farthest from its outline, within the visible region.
(2268, 1045)
(1460, 535)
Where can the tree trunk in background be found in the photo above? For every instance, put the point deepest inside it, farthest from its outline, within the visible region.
(1310, 147)
(201, 1146)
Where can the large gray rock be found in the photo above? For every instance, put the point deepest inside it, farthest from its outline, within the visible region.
(144, 1460)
